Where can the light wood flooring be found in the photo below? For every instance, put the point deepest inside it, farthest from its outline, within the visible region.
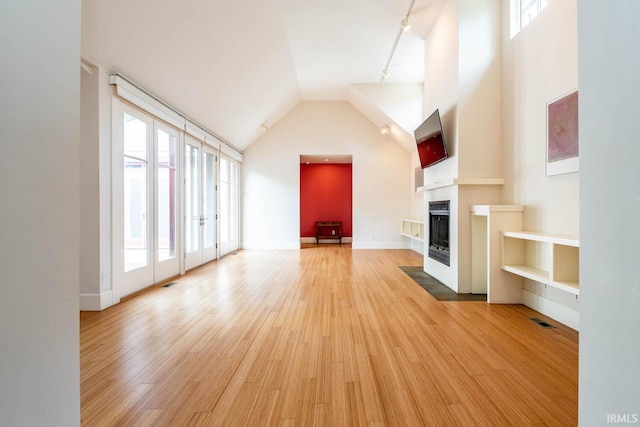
(322, 336)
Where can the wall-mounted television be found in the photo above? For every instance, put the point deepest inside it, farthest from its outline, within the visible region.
(430, 140)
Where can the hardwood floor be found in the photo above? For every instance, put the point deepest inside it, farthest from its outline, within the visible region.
(322, 336)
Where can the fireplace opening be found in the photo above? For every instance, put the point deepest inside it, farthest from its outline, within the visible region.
(439, 231)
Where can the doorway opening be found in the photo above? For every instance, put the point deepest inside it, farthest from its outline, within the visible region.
(326, 197)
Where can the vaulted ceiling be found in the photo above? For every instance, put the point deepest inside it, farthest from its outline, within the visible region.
(234, 65)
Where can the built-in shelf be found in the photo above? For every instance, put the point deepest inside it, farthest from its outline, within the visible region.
(550, 259)
(413, 228)
(487, 224)
(460, 181)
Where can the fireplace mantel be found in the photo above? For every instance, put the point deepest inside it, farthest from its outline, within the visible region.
(460, 181)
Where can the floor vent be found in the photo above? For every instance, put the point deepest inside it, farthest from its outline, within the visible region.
(167, 285)
(541, 322)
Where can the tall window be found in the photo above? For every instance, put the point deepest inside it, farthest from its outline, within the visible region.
(523, 12)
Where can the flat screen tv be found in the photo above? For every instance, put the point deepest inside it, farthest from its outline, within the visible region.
(430, 140)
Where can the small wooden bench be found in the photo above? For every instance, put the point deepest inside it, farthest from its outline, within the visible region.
(328, 230)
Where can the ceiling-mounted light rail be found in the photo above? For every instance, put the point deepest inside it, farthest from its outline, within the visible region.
(404, 26)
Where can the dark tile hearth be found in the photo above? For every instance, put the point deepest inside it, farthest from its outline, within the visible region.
(436, 288)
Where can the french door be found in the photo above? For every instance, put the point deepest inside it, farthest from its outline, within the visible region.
(145, 194)
(229, 205)
(199, 203)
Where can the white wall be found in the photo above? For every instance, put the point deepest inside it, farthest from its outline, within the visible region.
(39, 212)
(539, 64)
(95, 189)
(89, 181)
(479, 115)
(417, 198)
(402, 103)
(441, 86)
(463, 80)
(271, 175)
(608, 40)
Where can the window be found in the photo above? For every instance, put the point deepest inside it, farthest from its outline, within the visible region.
(523, 12)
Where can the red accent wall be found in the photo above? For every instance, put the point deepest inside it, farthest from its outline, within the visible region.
(325, 195)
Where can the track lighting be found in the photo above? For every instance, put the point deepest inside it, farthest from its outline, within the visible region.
(384, 129)
(405, 24)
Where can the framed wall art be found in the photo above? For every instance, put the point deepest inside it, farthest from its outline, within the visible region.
(562, 135)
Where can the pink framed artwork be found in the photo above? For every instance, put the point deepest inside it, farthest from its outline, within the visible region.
(562, 135)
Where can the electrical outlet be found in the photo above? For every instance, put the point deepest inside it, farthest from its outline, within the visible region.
(104, 278)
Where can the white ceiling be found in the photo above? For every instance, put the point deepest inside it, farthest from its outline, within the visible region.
(232, 65)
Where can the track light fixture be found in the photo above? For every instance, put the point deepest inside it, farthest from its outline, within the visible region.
(404, 26)
(384, 129)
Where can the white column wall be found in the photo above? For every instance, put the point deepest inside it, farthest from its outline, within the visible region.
(89, 182)
(479, 115)
(95, 190)
(39, 212)
(441, 87)
(608, 43)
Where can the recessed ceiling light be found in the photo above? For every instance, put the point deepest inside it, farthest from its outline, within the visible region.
(326, 160)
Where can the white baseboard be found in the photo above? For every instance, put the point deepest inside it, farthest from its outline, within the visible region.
(313, 240)
(270, 245)
(559, 312)
(96, 302)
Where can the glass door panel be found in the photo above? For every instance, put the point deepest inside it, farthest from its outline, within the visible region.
(145, 201)
(167, 263)
(234, 207)
(200, 204)
(136, 244)
(166, 203)
(224, 206)
(132, 201)
(192, 198)
(209, 205)
(229, 205)
(136, 236)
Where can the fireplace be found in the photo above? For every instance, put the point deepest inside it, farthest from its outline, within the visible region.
(439, 231)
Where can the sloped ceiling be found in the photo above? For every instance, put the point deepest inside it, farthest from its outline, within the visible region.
(233, 65)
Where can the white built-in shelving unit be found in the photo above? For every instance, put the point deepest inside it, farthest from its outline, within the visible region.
(413, 228)
(487, 224)
(552, 260)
